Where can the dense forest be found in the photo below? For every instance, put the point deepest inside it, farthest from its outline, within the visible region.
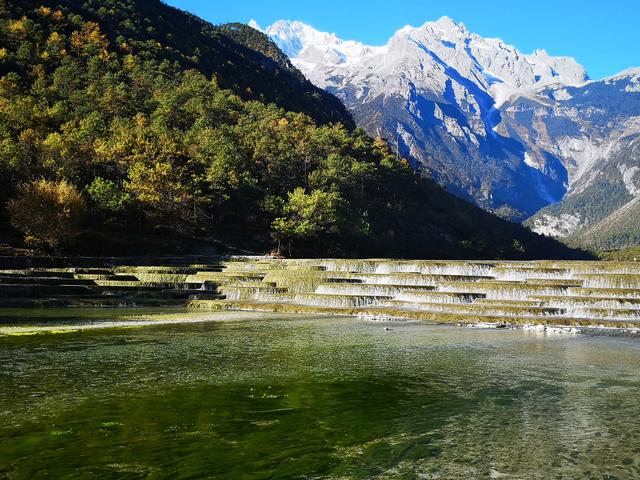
(128, 126)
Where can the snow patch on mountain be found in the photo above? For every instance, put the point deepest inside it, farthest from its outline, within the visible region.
(629, 178)
(530, 161)
(585, 153)
(628, 73)
(560, 226)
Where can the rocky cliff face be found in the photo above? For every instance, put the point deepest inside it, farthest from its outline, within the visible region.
(595, 129)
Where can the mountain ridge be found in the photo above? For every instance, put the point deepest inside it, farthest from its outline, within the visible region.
(493, 125)
(439, 111)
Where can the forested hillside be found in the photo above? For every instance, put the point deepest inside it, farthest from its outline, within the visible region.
(151, 30)
(121, 118)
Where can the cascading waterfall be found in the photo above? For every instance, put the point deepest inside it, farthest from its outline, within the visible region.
(531, 290)
(438, 297)
(338, 301)
(436, 268)
(626, 281)
(604, 292)
(414, 279)
(566, 301)
(249, 292)
(610, 313)
(576, 293)
(521, 274)
(368, 289)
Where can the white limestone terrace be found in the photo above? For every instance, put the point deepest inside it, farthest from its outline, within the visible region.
(570, 294)
(556, 293)
(424, 53)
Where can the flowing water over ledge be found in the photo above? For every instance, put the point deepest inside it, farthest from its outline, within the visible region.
(315, 397)
(556, 293)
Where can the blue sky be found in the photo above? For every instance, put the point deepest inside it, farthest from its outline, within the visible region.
(601, 35)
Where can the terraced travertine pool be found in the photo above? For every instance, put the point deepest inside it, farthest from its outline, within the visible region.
(181, 394)
(555, 293)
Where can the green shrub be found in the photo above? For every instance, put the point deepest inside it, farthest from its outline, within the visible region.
(106, 195)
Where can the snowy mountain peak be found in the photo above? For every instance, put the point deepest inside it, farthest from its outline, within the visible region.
(627, 80)
(309, 48)
(447, 23)
(447, 26)
(293, 36)
(444, 29)
(253, 24)
(628, 73)
(484, 61)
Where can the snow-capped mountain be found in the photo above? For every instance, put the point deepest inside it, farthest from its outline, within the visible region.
(490, 62)
(511, 131)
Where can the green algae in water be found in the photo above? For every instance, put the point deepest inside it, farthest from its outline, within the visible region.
(318, 398)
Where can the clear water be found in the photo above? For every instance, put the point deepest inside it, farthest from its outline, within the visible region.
(294, 397)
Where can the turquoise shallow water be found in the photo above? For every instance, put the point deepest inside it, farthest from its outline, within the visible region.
(292, 397)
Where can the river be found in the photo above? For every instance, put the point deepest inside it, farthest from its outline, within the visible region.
(275, 396)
